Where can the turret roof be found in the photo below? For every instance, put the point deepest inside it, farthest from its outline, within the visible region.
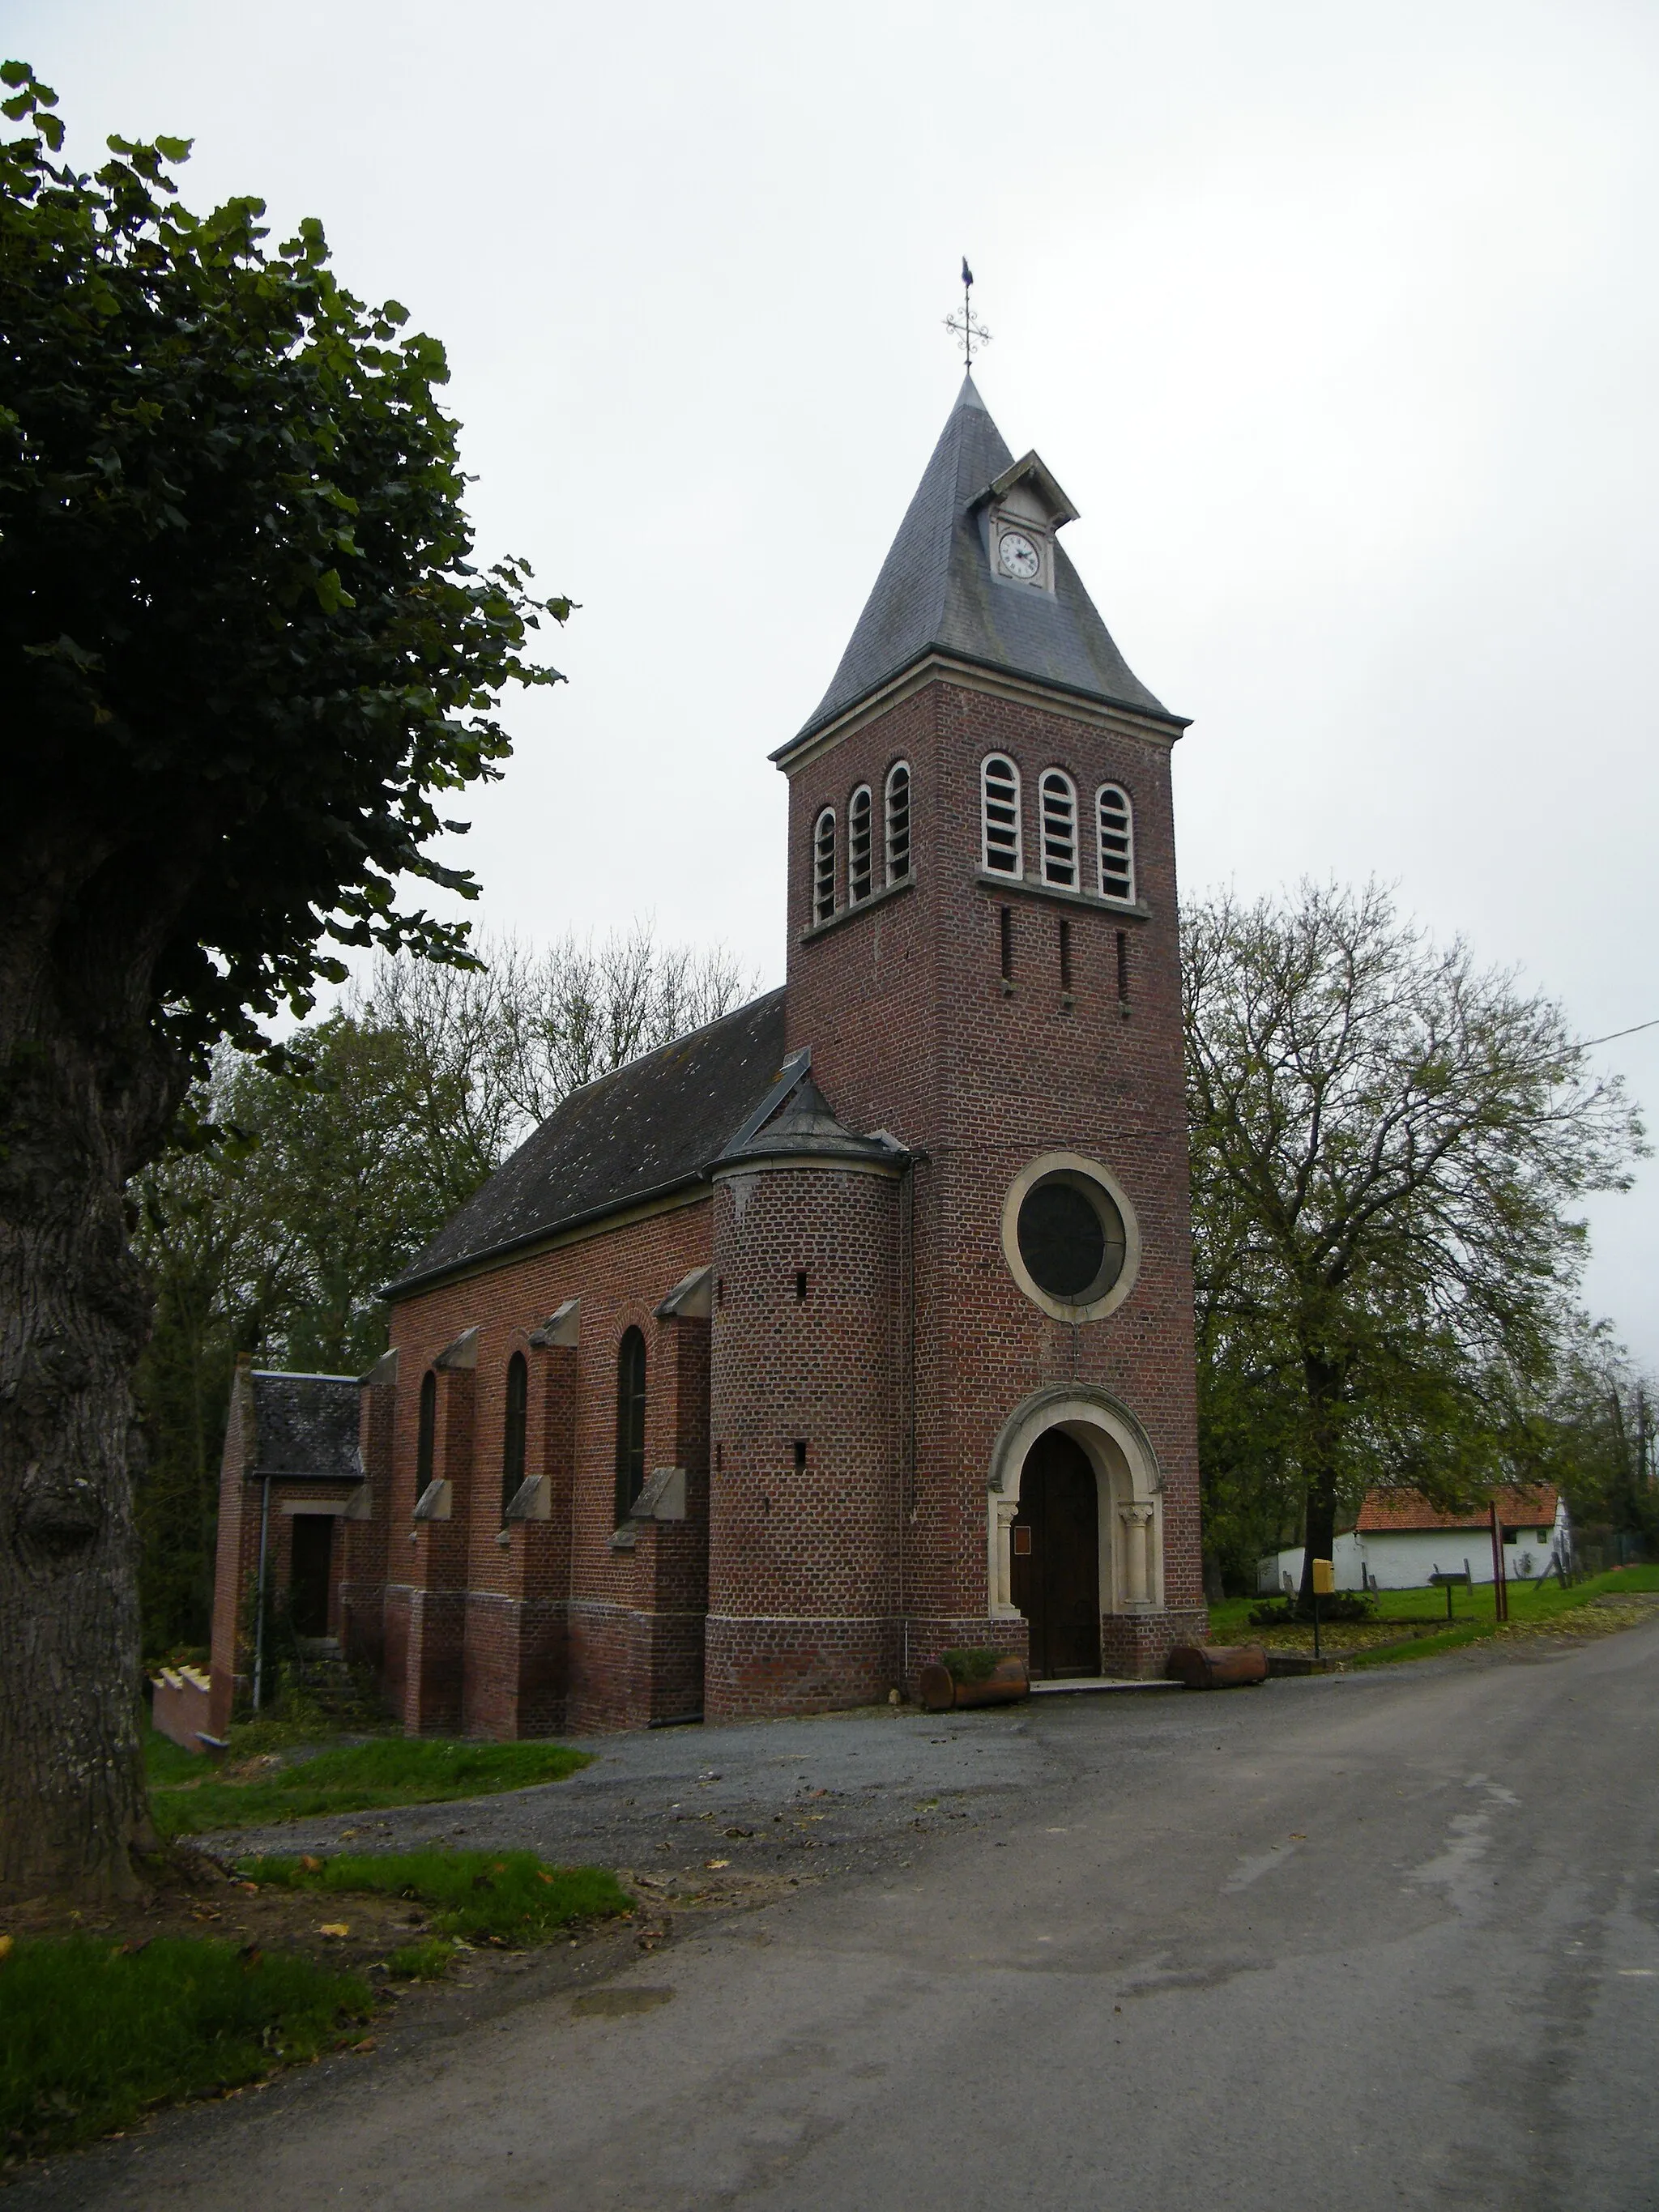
(937, 590)
(805, 1127)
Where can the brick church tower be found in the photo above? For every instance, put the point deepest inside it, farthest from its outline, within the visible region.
(976, 1328)
(856, 1325)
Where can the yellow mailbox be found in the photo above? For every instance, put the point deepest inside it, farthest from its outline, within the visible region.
(1324, 1578)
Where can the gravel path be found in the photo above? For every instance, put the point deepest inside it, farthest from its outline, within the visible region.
(848, 1792)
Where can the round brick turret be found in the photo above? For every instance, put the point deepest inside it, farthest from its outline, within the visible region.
(804, 1484)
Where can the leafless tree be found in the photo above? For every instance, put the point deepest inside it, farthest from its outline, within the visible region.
(518, 1035)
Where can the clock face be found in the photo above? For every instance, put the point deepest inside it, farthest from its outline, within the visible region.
(1018, 556)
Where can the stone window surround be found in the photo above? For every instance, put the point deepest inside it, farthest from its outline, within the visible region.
(827, 901)
(860, 826)
(1078, 1163)
(1125, 809)
(891, 877)
(1059, 824)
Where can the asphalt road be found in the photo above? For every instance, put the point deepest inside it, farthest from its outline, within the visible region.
(1383, 1939)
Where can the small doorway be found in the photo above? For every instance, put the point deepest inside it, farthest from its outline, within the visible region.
(1055, 1547)
(308, 1582)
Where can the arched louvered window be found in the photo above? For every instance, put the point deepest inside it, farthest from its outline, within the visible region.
(426, 1434)
(898, 822)
(823, 867)
(1058, 829)
(1117, 842)
(860, 855)
(631, 1421)
(513, 1428)
(1000, 807)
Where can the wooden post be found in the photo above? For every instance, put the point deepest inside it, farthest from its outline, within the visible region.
(1500, 1588)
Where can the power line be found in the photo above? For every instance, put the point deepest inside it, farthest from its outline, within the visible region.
(1635, 1027)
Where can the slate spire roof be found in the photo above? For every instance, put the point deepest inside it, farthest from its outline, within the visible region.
(937, 591)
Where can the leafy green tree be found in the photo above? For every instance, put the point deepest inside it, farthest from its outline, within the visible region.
(245, 649)
(1387, 1146)
(271, 1241)
(1598, 1431)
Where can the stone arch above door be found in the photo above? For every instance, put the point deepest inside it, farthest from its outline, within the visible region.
(1130, 1488)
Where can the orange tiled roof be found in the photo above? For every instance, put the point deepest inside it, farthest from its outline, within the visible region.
(1408, 1509)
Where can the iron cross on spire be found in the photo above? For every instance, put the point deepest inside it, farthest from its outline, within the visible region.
(966, 328)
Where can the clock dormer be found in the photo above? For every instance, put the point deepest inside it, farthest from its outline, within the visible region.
(1024, 508)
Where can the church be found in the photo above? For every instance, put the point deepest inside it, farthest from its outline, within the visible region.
(857, 1325)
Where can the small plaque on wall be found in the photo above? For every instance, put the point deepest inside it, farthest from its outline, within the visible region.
(1022, 1543)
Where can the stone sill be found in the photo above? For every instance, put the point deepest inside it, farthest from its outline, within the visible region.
(1130, 910)
(846, 913)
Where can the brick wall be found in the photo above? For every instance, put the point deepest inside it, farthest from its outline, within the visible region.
(361, 1544)
(554, 1627)
(806, 1415)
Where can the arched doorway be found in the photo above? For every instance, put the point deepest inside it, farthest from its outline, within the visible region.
(1127, 1542)
(1055, 1556)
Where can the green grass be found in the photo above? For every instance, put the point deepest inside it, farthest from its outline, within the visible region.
(362, 1777)
(422, 1962)
(1530, 1608)
(480, 1896)
(91, 2037)
(1530, 1603)
(166, 1762)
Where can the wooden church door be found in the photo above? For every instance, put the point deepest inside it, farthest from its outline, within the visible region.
(1055, 1543)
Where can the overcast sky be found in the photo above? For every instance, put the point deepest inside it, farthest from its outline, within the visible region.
(1338, 323)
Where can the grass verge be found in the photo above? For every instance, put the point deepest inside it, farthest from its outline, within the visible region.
(482, 1897)
(362, 1777)
(93, 2033)
(1531, 1605)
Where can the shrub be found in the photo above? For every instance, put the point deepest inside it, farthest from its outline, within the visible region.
(1287, 1612)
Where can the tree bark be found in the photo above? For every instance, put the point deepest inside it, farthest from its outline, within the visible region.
(1324, 1384)
(82, 1104)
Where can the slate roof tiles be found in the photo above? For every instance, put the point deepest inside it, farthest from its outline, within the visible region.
(305, 1425)
(937, 590)
(652, 1128)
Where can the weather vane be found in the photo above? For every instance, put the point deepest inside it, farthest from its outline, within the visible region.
(966, 328)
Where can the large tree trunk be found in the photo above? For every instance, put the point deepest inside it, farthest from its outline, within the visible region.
(80, 1106)
(1319, 1461)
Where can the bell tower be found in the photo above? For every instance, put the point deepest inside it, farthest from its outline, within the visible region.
(983, 965)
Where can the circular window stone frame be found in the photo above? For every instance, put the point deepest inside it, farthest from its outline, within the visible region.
(1072, 1165)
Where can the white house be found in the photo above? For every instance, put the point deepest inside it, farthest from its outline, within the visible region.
(1401, 1539)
